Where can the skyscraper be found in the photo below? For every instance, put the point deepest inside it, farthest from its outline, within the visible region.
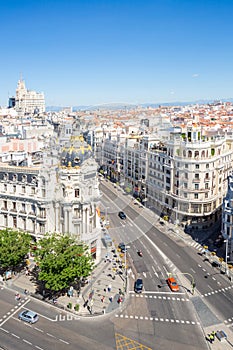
(28, 101)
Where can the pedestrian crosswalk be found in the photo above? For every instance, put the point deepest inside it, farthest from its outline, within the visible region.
(197, 246)
(158, 297)
(157, 319)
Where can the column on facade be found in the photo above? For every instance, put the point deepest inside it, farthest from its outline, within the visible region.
(57, 220)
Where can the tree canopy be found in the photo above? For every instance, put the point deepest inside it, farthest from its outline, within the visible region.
(62, 261)
(14, 245)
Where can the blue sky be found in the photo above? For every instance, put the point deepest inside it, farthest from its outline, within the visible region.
(89, 52)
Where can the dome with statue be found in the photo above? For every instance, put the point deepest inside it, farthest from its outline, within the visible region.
(76, 151)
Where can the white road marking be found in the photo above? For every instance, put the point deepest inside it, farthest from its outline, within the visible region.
(6, 319)
(161, 319)
(38, 347)
(51, 335)
(39, 330)
(14, 335)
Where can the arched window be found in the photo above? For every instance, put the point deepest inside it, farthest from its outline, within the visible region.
(203, 154)
(190, 154)
(196, 154)
(184, 153)
(76, 192)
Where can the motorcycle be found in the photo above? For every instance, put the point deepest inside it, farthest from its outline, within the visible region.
(139, 252)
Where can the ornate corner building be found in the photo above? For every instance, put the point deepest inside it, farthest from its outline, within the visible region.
(60, 195)
(227, 220)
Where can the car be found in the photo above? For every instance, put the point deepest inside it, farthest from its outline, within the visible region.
(122, 215)
(28, 316)
(121, 245)
(138, 285)
(123, 249)
(172, 283)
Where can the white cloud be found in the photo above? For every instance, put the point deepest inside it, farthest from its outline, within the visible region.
(195, 75)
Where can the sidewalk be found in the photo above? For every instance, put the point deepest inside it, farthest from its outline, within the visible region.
(104, 292)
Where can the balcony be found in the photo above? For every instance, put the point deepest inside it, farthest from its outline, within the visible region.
(32, 214)
(22, 213)
(41, 218)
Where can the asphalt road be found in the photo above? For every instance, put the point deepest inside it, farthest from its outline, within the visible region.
(157, 319)
(165, 253)
(54, 330)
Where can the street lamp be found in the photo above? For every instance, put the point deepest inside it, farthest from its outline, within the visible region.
(176, 213)
(126, 247)
(106, 215)
(226, 269)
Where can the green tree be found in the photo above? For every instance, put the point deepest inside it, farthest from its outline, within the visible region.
(14, 245)
(62, 261)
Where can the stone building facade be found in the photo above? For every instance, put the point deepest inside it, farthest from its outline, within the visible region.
(59, 195)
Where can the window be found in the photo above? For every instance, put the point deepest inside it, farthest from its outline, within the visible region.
(196, 176)
(185, 185)
(43, 192)
(185, 195)
(5, 204)
(5, 187)
(197, 166)
(196, 186)
(5, 220)
(76, 192)
(42, 228)
(207, 166)
(24, 224)
(33, 190)
(206, 195)
(195, 195)
(14, 205)
(14, 188)
(76, 213)
(186, 166)
(23, 189)
(14, 221)
(206, 186)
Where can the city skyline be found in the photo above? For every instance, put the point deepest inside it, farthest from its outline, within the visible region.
(103, 52)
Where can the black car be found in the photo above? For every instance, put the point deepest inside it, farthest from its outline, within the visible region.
(122, 215)
(122, 247)
(122, 244)
(138, 285)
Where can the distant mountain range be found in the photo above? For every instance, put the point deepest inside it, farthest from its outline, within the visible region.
(124, 106)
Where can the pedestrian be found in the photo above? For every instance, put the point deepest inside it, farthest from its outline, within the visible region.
(119, 300)
(102, 299)
(111, 299)
(17, 296)
(26, 291)
(213, 334)
(211, 337)
(109, 287)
